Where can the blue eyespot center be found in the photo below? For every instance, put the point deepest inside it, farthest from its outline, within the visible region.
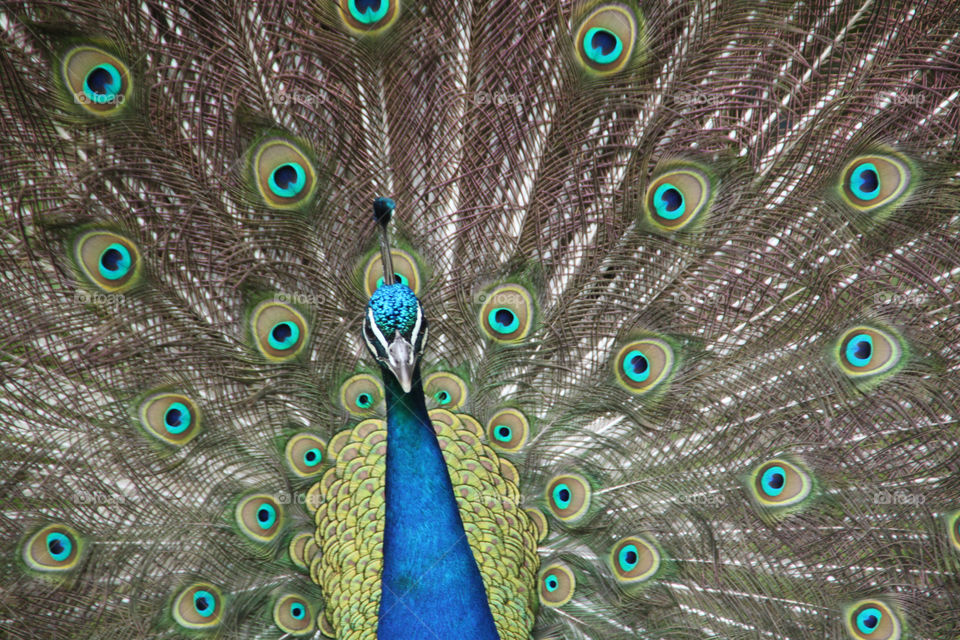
(443, 397)
(284, 335)
(502, 433)
(859, 350)
(364, 400)
(865, 181)
(266, 516)
(602, 45)
(637, 366)
(668, 201)
(115, 262)
(59, 546)
(204, 603)
(177, 418)
(551, 583)
(629, 557)
(869, 619)
(297, 611)
(312, 457)
(503, 320)
(369, 11)
(397, 278)
(288, 180)
(562, 495)
(773, 481)
(102, 83)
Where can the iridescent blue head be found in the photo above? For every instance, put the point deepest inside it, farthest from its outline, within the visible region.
(395, 331)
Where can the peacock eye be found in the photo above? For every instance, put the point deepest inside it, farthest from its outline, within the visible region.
(369, 17)
(873, 620)
(641, 365)
(606, 38)
(171, 417)
(199, 606)
(284, 176)
(99, 82)
(568, 497)
(867, 351)
(405, 271)
(873, 181)
(280, 331)
(293, 615)
(360, 394)
(109, 260)
(634, 560)
(446, 389)
(259, 517)
(953, 529)
(677, 198)
(508, 430)
(54, 548)
(779, 483)
(557, 585)
(304, 454)
(507, 313)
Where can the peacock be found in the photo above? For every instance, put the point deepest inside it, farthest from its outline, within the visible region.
(488, 319)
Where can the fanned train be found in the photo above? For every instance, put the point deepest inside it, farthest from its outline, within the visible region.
(490, 319)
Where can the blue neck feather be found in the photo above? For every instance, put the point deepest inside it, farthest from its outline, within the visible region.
(431, 586)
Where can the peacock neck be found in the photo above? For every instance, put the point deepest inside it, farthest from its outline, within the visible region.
(431, 586)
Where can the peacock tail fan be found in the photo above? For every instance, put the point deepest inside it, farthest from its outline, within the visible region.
(680, 280)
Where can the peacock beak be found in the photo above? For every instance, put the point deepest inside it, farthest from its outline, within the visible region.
(401, 361)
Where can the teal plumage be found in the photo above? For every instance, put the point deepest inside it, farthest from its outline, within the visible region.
(689, 270)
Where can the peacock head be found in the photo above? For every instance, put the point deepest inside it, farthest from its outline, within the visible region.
(395, 331)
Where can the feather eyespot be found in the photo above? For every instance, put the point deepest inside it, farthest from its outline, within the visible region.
(304, 454)
(634, 560)
(279, 330)
(871, 182)
(507, 313)
(508, 430)
(780, 483)
(953, 529)
(642, 365)
(556, 585)
(285, 177)
(108, 260)
(369, 17)
(404, 267)
(259, 517)
(171, 417)
(199, 606)
(568, 497)
(867, 351)
(873, 620)
(445, 390)
(54, 548)
(293, 615)
(98, 81)
(677, 198)
(298, 548)
(360, 394)
(606, 38)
